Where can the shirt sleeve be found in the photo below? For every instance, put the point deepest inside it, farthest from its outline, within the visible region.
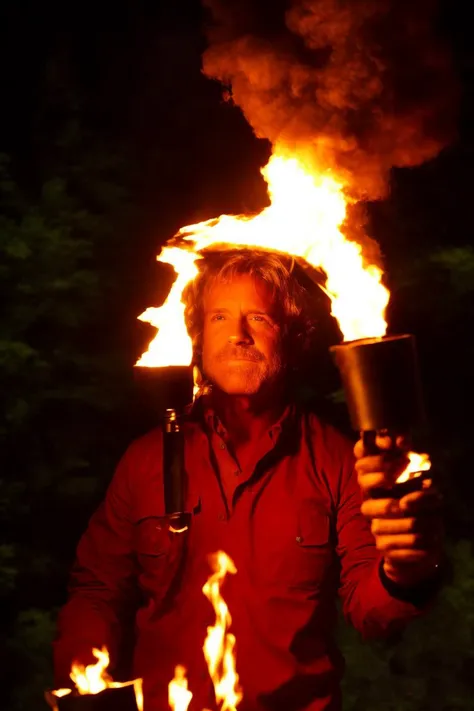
(374, 608)
(101, 587)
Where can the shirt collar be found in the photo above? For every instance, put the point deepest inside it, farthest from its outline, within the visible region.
(203, 411)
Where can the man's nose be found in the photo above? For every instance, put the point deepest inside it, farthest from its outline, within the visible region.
(240, 334)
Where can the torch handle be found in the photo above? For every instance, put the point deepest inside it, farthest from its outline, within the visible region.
(174, 477)
(368, 440)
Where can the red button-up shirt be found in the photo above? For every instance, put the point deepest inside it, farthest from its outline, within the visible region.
(290, 521)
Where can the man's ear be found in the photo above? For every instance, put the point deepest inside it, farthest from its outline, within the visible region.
(201, 385)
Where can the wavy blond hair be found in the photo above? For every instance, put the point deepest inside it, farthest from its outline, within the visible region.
(291, 298)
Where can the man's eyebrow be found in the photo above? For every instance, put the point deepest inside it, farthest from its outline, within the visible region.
(260, 312)
(223, 310)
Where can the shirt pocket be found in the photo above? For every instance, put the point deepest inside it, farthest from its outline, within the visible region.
(152, 537)
(292, 546)
(157, 551)
(312, 548)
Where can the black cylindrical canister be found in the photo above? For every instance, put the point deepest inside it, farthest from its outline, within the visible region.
(169, 390)
(169, 387)
(381, 382)
(174, 479)
(120, 699)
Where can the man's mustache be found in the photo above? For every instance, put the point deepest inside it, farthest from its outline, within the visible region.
(240, 353)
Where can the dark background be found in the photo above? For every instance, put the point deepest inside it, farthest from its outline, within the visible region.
(110, 140)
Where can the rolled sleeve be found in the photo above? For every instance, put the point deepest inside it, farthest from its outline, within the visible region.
(374, 608)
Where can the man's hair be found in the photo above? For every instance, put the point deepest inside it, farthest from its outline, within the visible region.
(291, 299)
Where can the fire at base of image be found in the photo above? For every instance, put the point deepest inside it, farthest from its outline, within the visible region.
(94, 689)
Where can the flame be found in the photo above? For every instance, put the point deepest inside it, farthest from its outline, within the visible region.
(93, 678)
(171, 345)
(179, 696)
(61, 692)
(304, 220)
(219, 643)
(417, 464)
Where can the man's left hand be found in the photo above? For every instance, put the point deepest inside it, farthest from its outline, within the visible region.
(408, 532)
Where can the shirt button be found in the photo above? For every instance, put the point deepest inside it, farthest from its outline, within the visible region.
(237, 472)
(221, 517)
(299, 539)
(222, 445)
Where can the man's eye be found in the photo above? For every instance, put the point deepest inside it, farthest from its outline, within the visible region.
(258, 317)
(217, 317)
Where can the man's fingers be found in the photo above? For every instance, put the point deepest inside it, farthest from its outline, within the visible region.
(408, 541)
(427, 501)
(408, 556)
(424, 501)
(373, 463)
(385, 443)
(381, 508)
(431, 529)
(383, 526)
(377, 480)
(392, 466)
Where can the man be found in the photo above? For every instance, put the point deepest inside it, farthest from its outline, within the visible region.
(275, 488)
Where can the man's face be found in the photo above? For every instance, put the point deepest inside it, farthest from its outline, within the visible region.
(241, 339)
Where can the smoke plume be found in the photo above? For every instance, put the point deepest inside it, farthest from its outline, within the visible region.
(358, 86)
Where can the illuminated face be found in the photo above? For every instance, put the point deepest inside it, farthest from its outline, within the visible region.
(241, 348)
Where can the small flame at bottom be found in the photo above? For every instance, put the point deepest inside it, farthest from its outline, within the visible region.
(417, 464)
(179, 696)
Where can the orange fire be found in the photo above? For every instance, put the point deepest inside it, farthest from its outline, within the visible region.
(219, 643)
(179, 696)
(171, 345)
(93, 678)
(218, 647)
(304, 220)
(417, 464)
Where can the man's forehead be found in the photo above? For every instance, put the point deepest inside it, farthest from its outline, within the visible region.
(242, 289)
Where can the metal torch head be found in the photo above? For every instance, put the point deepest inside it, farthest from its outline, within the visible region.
(167, 387)
(381, 382)
(114, 699)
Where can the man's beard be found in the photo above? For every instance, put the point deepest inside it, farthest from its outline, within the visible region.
(248, 374)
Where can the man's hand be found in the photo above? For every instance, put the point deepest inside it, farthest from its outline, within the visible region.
(408, 532)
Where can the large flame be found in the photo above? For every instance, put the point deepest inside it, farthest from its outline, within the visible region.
(94, 678)
(304, 220)
(219, 643)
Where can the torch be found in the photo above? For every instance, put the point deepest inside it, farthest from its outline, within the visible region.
(165, 372)
(381, 382)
